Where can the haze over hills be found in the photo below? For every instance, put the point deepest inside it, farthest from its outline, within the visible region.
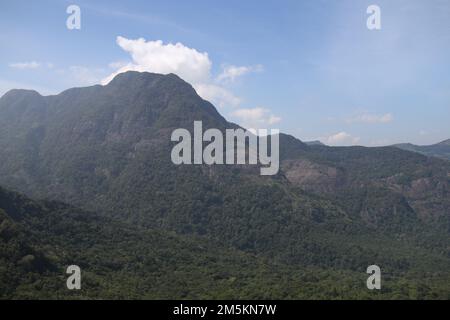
(314, 143)
(106, 149)
(440, 150)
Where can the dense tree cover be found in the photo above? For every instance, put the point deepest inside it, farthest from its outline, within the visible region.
(308, 232)
(38, 240)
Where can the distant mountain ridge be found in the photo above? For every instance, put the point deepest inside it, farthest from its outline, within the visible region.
(439, 150)
(445, 142)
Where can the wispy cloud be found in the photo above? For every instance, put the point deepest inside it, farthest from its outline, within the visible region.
(371, 118)
(231, 73)
(256, 118)
(340, 139)
(218, 95)
(25, 65)
(155, 56)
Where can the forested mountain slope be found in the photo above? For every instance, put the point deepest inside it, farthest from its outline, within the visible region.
(107, 149)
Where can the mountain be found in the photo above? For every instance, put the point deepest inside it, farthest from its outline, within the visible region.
(106, 149)
(439, 150)
(314, 143)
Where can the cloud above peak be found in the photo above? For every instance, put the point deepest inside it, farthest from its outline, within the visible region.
(190, 64)
(155, 56)
(25, 65)
(194, 67)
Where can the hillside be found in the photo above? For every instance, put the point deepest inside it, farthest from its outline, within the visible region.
(38, 240)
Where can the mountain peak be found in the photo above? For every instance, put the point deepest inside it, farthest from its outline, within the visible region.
(314, 143)
(21, 93)
(130, 78)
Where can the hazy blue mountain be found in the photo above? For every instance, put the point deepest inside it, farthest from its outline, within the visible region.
(440, 150)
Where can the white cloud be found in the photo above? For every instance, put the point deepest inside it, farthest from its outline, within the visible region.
(25, 65)
(31, 65)
(194, 67)
(371, 118)
(256, 118)
(188, 63)
(273, 119)
(230, 73)
(154, 56)
(340, 138)
(218, 95)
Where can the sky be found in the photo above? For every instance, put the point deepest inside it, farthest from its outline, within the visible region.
(312, 69)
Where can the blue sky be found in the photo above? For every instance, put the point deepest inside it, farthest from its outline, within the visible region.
(309, 68)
